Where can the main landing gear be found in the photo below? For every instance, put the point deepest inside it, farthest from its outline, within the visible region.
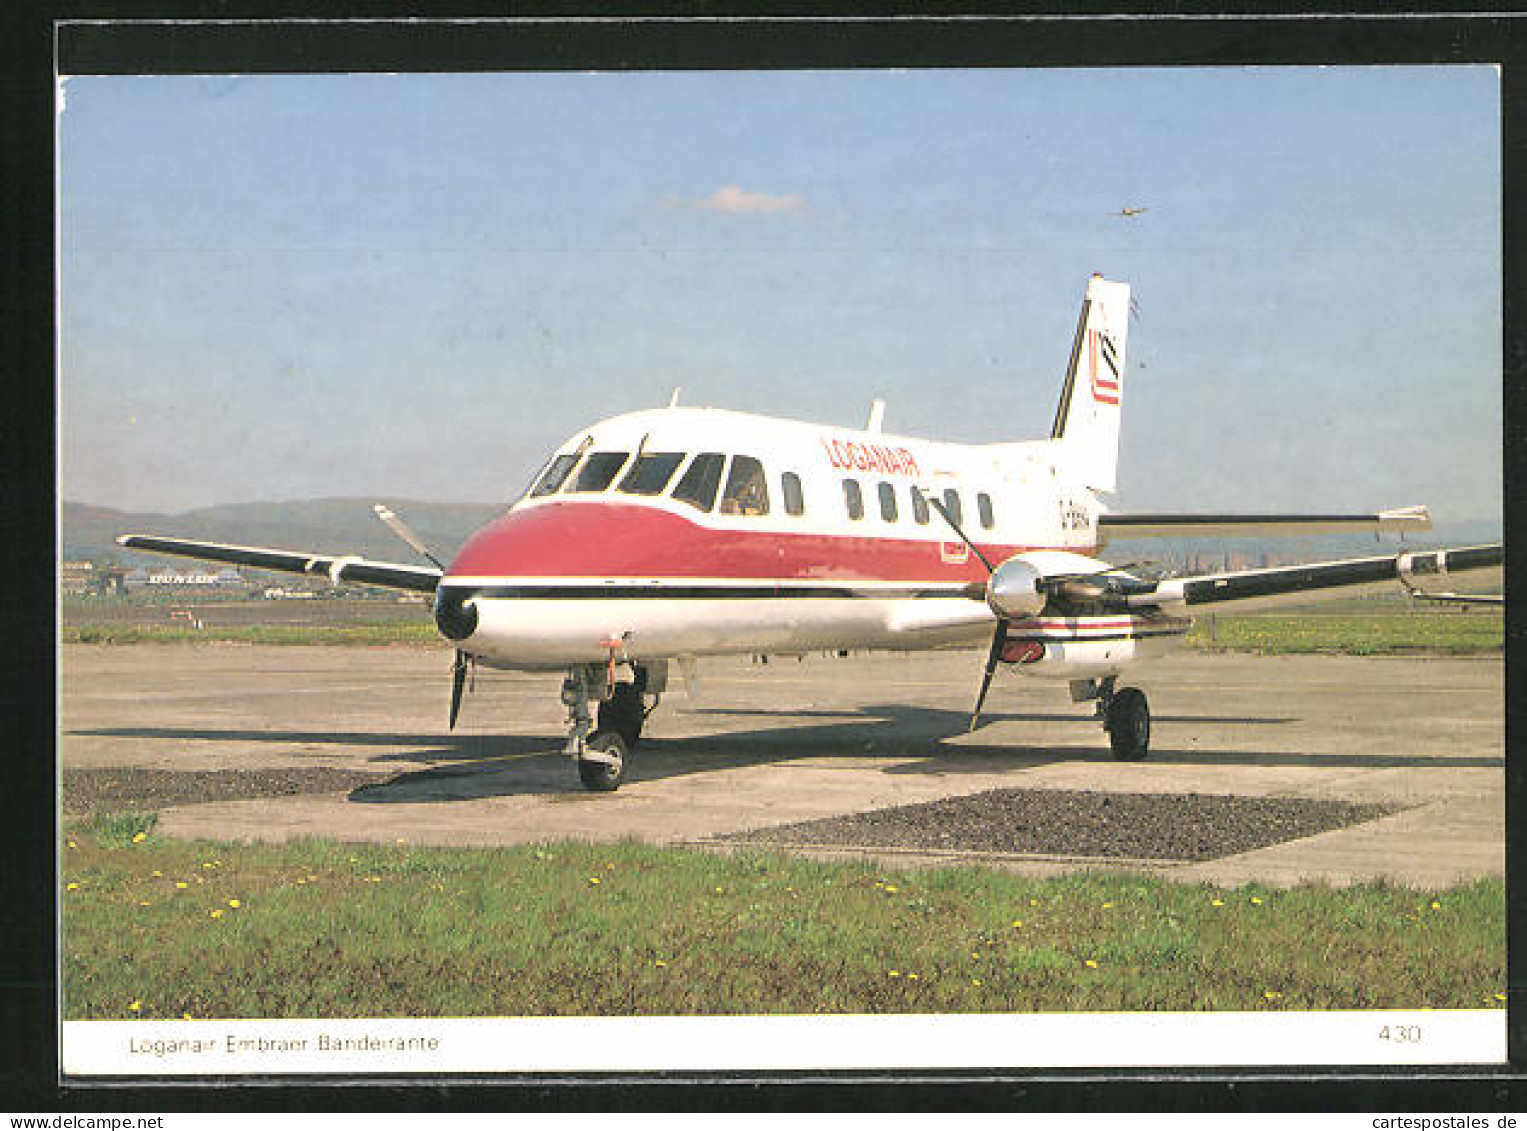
(622, 707)
(1126, 716)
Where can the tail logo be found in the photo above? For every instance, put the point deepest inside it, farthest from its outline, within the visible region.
(1105, 377)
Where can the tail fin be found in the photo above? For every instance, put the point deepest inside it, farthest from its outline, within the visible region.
(1086, 430)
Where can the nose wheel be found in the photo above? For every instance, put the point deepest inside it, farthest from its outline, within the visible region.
(602, 766)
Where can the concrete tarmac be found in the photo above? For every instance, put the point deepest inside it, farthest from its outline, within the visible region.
(762, 745)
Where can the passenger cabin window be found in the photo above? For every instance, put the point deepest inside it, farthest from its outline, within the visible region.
(795, 502)
(952, 506)
(888, 502)
(853, 498)
(651, 473)
(983, 505)
(747, 491)
(919, 506)
(555, 475)
(698, 485)
(599, 471)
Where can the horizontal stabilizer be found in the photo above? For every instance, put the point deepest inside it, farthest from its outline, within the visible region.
(359, 571)
(1177, 525)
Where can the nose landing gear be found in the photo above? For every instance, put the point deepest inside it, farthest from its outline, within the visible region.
(601, 751)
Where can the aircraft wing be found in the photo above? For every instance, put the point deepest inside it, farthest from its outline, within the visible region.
(360, 571)
(1459, 598)
(1175, 525)
(1261, 588)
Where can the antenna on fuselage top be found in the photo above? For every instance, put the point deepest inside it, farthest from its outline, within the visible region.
(877, 414)
(673, 401)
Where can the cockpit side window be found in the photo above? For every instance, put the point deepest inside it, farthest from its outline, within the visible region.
(555, 475)
(599, 471)
(698, 485)
(747, 493)
(651, 473)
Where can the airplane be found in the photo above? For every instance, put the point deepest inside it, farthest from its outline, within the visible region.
(1127, 211)
(663, 535)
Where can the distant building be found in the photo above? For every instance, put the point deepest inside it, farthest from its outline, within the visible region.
(75, 579)
(169, 580)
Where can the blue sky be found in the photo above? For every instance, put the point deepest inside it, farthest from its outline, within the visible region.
(287, 287)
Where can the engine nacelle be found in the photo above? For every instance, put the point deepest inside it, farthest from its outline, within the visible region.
(1013, 591)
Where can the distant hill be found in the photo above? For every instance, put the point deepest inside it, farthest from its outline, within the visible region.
(348, 526)
(341, 526)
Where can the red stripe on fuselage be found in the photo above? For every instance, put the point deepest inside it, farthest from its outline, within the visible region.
(608, 539)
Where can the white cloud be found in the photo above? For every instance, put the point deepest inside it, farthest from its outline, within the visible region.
(737, 200)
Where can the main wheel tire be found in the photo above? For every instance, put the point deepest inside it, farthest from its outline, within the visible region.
(1129, 725)
(603, 777)
(623, 713)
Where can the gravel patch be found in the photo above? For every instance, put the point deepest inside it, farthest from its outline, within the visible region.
(134, 790)
(1060, 822)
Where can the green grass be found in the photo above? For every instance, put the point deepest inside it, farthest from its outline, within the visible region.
(389, 632)
(1446, 633)
(165, 928)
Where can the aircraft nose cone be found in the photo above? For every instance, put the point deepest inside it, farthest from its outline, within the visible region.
(455, 614)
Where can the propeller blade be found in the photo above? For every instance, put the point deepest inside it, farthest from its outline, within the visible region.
(997, 640)
(938, 506)
(458, 684)
(397, 526)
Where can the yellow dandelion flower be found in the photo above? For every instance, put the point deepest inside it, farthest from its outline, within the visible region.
(181, 884)
(139, 838)
(912, 976)
(975, 981)
(157, 874)
(660, 962)
(234, 903)
(355, 860)
(218, 913)
(1500, 997)
(593, 879)
(893, 973)
(70, 843)
(1272, 995)
(720, 891)
(300, 881)
(1436, 906)
(206, 864)
(71, 887)
(1256, 899)
(1106, 906)
(1217, 902)
(1017, 922)
(890, 887)
(185, 1017)
(135, 1005)
(144, 903)
(1092, 963)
